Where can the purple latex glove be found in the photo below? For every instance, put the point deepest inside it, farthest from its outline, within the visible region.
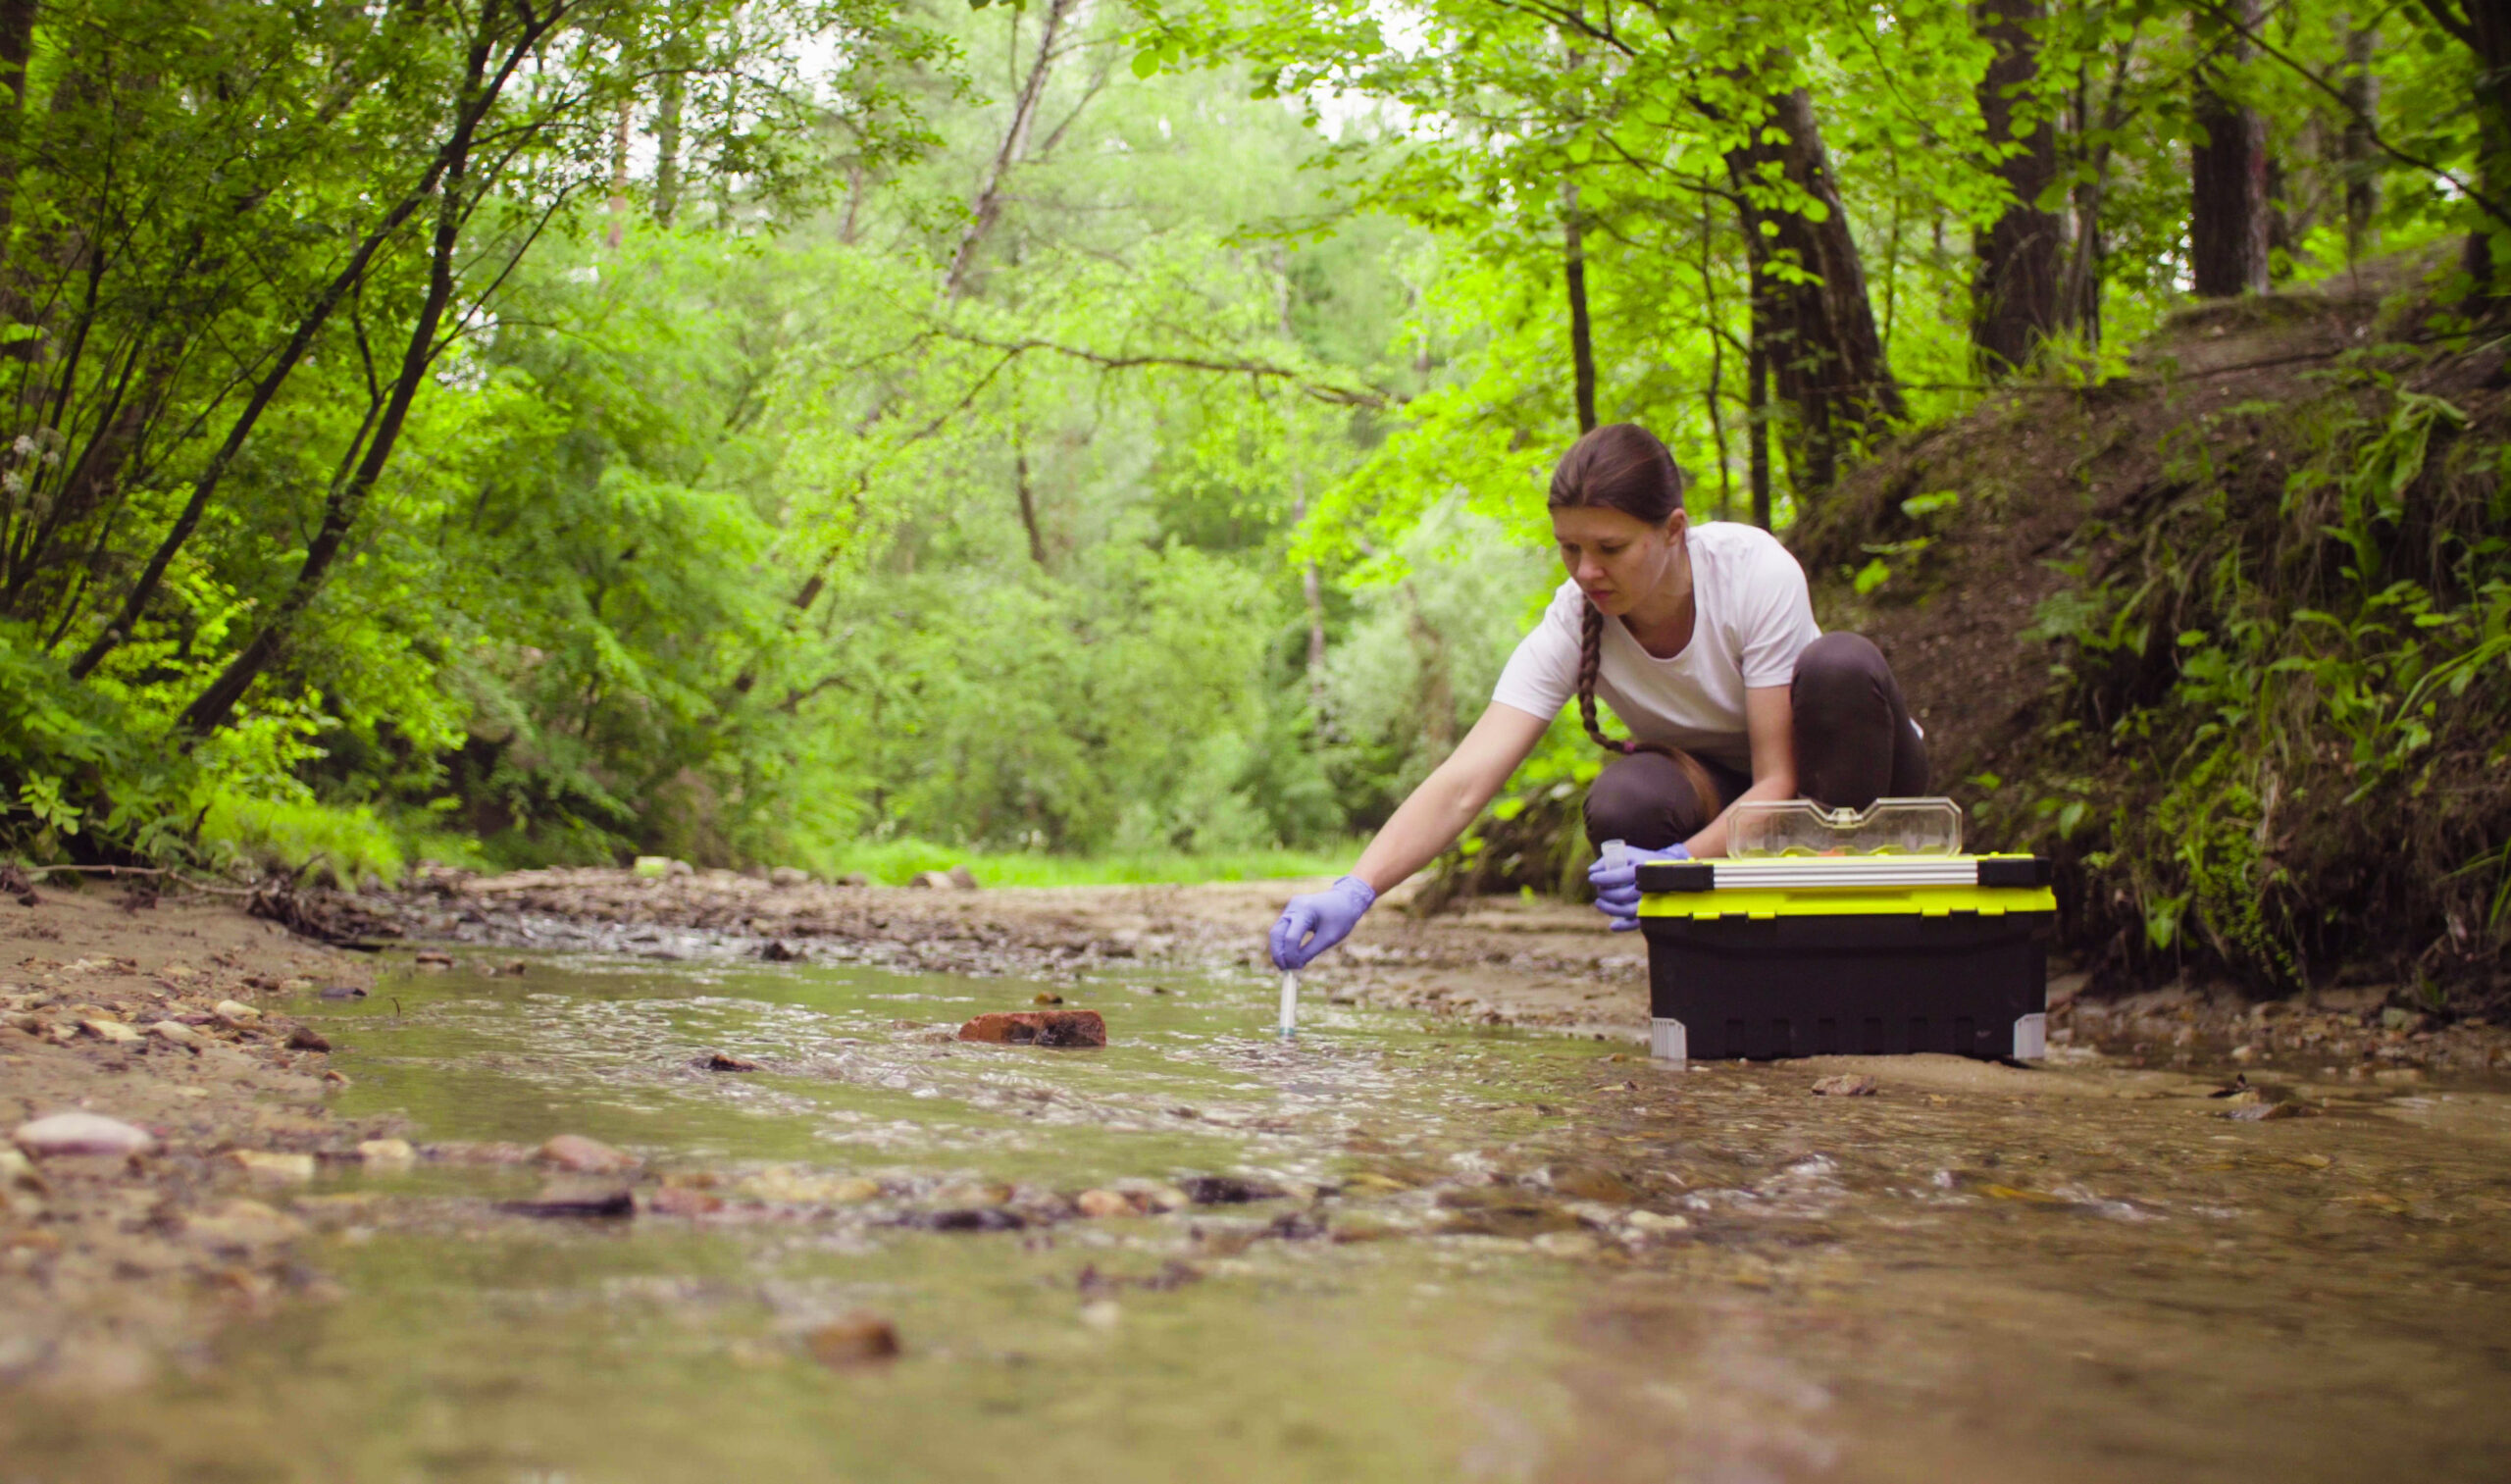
(1616, 884)
(1313, 923)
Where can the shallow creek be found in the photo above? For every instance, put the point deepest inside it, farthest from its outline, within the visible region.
(1491, 1257)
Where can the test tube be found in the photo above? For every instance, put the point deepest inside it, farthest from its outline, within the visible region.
(1290, 1003)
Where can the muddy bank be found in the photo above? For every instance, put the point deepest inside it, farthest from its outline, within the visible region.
(153, 1019)
(1499, 961)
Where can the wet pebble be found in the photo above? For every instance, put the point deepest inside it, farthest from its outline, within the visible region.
(1099, 1205)
(578, 1154)
(235, 1015)
(332, 992)
(1225, 1190)
(1846, 1086)
(80, 1133)
(720, 1061)
(112, 1032)
(861, 1338)
(275, 1168)
(386, 1152)
(175, 1032)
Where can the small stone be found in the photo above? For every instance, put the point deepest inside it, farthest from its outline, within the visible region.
(861, 1338)
(307, 1038)
(785, 877)
(1049, 1028)
(235, 1015)
(1846, 1086)
(930, 881)
(176, 1032)
(80, 1133)
(1099, 1205)
(1654, 1223)
(334, 992)
(107, 1030)
(1225, 1190)
(854, 879)
(391, 1153)
(720, 1061)
(514, 968)
(278, 1169)
(962, 878)
(789, 1187)
(1592, 1181)
(433, 960)
(1565, 1245)
(17, 1172)
(778, 952)
(240, 1223)
(179, 971)
(578, 1154)
(301, 986)
(681, 1200)
(1102, 1314)
(1043, 998)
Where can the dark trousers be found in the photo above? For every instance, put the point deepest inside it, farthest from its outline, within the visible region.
(1855, 744)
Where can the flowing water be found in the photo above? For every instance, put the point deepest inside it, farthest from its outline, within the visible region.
(1470, 1256)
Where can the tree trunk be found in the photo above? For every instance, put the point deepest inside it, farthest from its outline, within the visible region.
(1821, 346)
(1582, 346)
(667, 130)
(2485, 29)
(1015, 143)
(2014, 293)
(2360, 166)
(2227, 216)
(1757, 373)
(1028, 499)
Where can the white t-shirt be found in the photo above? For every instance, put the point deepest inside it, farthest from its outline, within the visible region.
(1754, 618)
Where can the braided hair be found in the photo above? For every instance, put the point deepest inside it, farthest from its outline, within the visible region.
(1622, 467)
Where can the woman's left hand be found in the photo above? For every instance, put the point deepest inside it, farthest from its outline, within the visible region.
(1618, 884)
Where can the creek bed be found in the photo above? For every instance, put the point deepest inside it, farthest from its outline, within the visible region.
(1388, 1249)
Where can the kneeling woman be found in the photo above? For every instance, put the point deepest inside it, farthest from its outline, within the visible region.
(1702, 639)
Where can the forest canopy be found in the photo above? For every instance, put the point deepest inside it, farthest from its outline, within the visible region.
(524, 433)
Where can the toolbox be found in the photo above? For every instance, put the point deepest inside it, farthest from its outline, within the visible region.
(1840, 932)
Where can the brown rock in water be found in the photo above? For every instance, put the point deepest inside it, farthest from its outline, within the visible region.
(1098, 1205)
(585, 1157)
(719, 1062)
(861, 1338)
(1845, 1086)
(307, 1038)
(1060, 1028)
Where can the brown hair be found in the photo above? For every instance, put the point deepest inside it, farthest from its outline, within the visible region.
(1622, 467)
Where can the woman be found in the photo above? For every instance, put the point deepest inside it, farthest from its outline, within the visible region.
(1702, 639)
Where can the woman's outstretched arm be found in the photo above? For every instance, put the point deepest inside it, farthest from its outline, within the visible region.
(1438, 811)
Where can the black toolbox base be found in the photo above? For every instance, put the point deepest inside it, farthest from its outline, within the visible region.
(1885, 984)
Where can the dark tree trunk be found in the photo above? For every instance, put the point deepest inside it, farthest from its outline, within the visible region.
(667, 130)
(1015, 144)
(1028, 500)
(2016, 300)
(2484, 27)
(2361, 167)
(1582, 344)
(2227, 215)
(1822, 347)
(1757, 373)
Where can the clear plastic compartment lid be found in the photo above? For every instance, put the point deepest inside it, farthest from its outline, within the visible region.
(1886, 826)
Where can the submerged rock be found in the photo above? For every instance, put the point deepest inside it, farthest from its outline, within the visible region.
(722, 1061)
(277, 1169)
(575, 1199)
(585, 1157)
(1057, 1028)
(81, 1134)
(861, 1338)
(1846, 1085)
(307, 1038)
(1225, 1190)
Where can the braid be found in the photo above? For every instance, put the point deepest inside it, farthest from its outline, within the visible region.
(1591, 659)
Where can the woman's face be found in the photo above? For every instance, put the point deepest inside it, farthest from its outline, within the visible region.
(1617, 559)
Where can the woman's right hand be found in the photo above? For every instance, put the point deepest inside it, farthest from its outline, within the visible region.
(1313, 923)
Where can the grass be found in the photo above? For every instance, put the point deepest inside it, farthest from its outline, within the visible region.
(896, 862)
